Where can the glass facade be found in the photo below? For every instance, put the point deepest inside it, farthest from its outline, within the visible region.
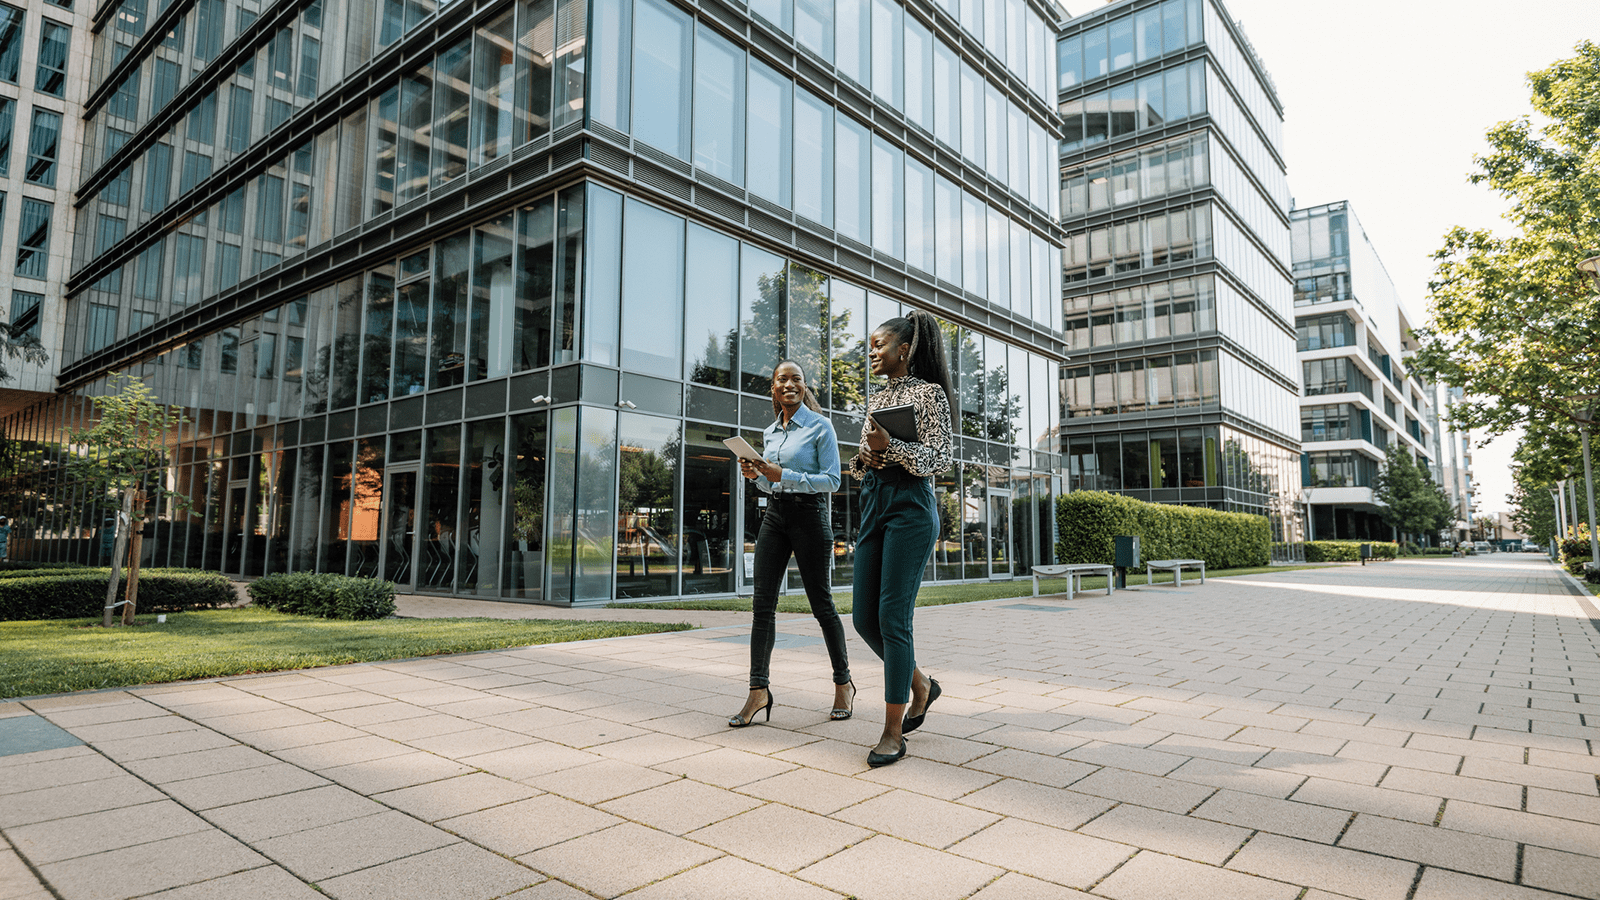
(1177, 300)
(439, 340)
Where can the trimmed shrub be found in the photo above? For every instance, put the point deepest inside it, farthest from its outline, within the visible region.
(1348, 551)
(327, 596)
(23, 565)
(1575, 553)
(82, 594)
(1087, 521)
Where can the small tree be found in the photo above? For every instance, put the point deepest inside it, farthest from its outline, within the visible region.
(127, 440)
(1412, 502)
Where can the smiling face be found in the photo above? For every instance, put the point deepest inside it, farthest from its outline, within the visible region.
(788, 386)
(884, 352)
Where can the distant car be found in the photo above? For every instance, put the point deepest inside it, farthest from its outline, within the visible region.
(1482, 547)
(1529, 547)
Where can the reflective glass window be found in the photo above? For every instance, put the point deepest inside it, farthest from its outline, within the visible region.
(852, 177)
(492, 86)
(712, 319)
(813, 157)
(44, 140)
(921, 233)
(452, 94)
(719, 104)
(947, 223)
(491, 315)
(762, 286)
(888, 198)
(946, 94)
(888, 53)
(535, 47)
(662, 47)
(919, 82)
(652, 291)
(852, 38)
(10, 42)
(813, 26)
(1095, 61)
(768, 138)
(535, 295)
(8, 116)
(609, 90)
(780, 13)
(54, 39)
(447, 361)
(1120, 43)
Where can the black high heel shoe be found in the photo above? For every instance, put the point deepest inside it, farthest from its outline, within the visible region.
(737, 720)
(912, 723)
(840, 713)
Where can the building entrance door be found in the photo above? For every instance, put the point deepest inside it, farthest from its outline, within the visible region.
(397, 545)
(999, 533)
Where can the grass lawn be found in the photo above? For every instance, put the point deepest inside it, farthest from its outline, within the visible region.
(939, 595)
(48, 657)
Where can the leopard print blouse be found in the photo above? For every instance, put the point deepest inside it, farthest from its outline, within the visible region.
(936, 450)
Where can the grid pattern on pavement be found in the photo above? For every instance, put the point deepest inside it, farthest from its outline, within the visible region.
(1409, 731)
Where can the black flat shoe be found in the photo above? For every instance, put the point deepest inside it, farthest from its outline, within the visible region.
(840, 713)
(912, 723)
(737, 720)
(878, 760)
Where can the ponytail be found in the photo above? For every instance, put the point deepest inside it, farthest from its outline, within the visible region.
(925, 357)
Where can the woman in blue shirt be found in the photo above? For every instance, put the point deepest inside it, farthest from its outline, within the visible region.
(800, 469)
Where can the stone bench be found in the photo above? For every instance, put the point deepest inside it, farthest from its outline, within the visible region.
(1176, 566)
(1074, 573)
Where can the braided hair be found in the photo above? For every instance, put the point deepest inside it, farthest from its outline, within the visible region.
(926, 357)
(808, 398)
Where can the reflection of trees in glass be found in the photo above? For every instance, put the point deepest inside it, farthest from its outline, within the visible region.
(711, 364)
(808, 326)
(762, 334)
(989, 409)
(847, 363)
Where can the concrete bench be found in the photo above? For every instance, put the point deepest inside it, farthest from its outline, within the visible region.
(1074, 573)
(1176, 566)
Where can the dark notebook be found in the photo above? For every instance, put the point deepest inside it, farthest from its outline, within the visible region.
(899, 421)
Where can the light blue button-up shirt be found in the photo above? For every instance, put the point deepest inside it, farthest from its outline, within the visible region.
(806, 450)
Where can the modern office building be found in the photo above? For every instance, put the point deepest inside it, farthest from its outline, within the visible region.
(1354, 339)
(468, 295)
(44, 49)
(1182, 383)
(1454, 469)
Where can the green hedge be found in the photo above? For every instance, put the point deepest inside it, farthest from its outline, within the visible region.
(56, 572)
(1575, 554)
(327, 596)
(1348, 551)
(83, 595)
(23, 565)
(1087, 521)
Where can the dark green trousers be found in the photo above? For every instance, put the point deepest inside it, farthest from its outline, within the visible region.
(899, 523)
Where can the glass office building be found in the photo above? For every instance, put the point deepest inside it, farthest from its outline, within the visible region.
(1183, 382)
(467, 295)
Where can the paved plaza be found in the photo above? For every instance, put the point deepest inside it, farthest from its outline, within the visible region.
(1415, 730)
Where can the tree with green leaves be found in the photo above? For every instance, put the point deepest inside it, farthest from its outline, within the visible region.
(1412, 502)
(1515, 324)
(127, 443)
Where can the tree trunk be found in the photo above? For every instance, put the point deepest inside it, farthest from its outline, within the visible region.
(116, 558)
(136, 542)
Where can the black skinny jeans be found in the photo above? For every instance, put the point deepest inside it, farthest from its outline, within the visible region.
(794, 524)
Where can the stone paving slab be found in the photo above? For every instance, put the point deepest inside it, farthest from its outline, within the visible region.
(1415, 731)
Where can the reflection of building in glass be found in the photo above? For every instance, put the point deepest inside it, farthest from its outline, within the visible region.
(1178, 305)
(468, 297)
(1354, 335)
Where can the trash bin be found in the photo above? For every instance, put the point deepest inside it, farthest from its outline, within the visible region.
(1366, 552)
(1125, 557)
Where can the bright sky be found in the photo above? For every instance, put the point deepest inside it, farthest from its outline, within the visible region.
(1385, 104)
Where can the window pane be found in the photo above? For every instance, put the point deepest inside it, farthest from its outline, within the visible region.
(652, 290)
(10, 43)
(888, 60)
(43, 143)
(536, 51)
(661, 55)
(919, 84)
(1121, 43)
(761, 293)
(8, 116)
(813, 26)
(712, 319)
(536, 284)
(491, 91)
(888, 198)
(570, 85)
(719, 107)
(920, 232)
(852, 38)
(54, 39)
(852, 174)
(813, 158)
(609, 93)
(33, 239)
(447, 351)
(492, 305)
(451, 96)
(770, 144)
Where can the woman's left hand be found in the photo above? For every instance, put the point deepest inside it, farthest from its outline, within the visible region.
(770, 471)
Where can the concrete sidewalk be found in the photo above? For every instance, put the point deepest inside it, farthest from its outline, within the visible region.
(1415, 730)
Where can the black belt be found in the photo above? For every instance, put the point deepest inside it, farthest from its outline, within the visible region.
(894, 473)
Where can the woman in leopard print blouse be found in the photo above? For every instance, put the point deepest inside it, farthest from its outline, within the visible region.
(899, 521)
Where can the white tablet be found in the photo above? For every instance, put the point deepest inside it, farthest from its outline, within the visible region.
(741, 448)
